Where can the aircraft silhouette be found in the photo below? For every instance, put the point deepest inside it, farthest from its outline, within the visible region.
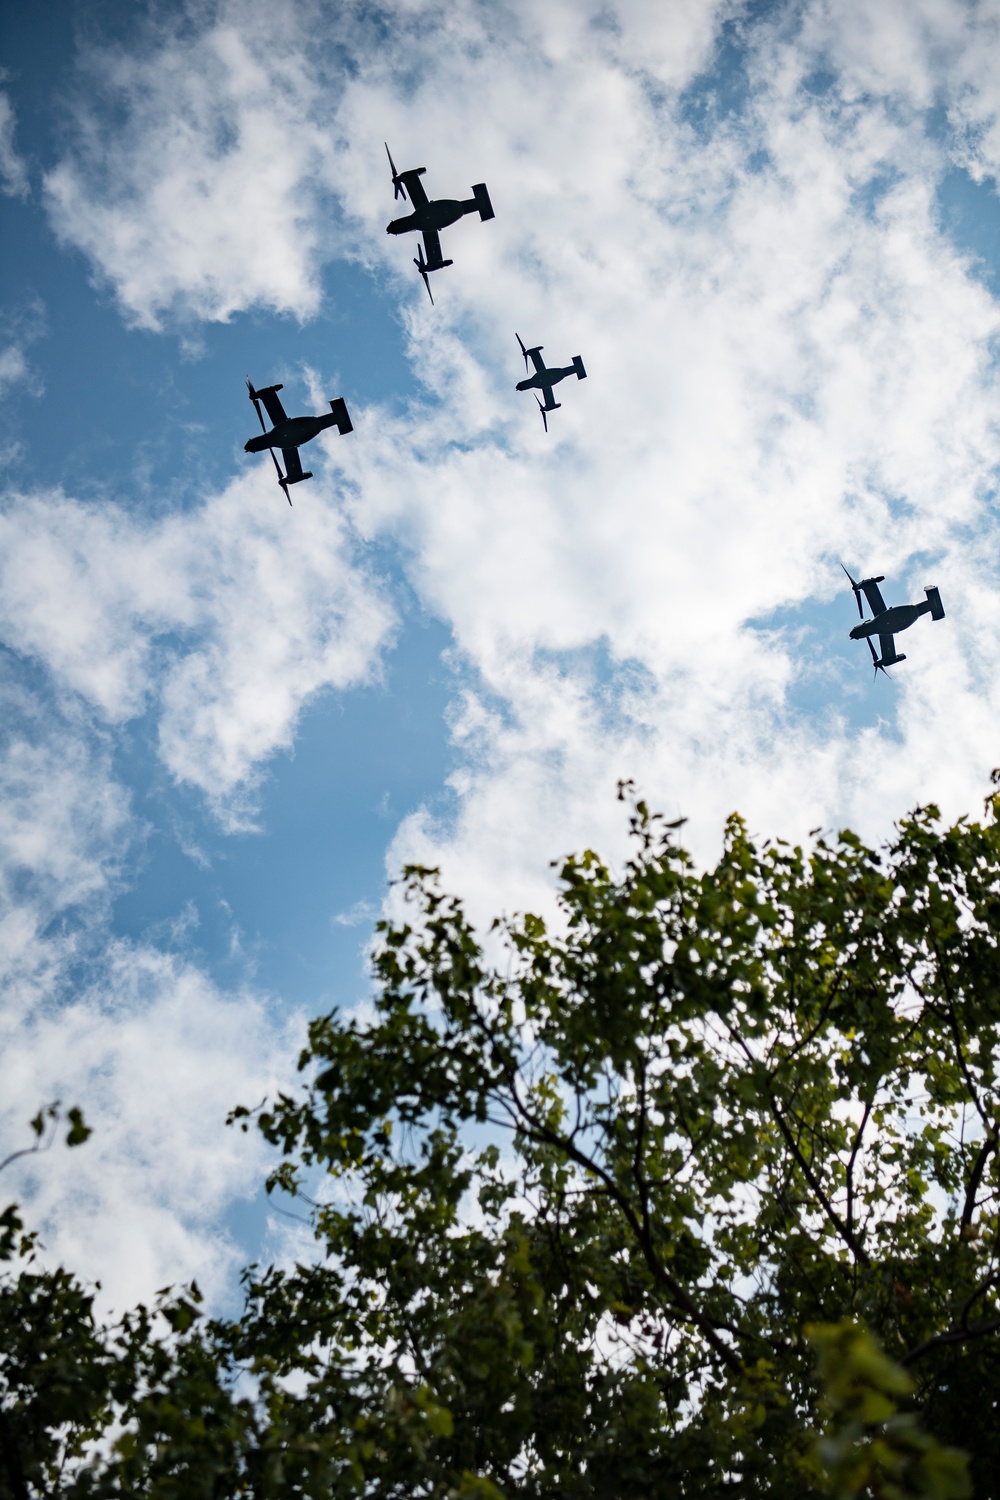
(886, 622)
(289, 433)
(544, 378)
(431, 215)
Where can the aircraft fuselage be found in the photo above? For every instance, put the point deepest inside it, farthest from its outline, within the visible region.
(891, 621)
(436, 215)
(545, 379)
(291, 433)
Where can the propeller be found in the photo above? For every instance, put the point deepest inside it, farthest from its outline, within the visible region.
(545, 420)
(263, 427)
(399, 190)
(857, 594)
(524, 352)
(877, 664)
(421, 266)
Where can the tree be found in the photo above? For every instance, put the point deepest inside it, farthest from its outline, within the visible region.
(694, 1194)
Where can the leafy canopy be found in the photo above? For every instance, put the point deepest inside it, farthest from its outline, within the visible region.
(694, 1193)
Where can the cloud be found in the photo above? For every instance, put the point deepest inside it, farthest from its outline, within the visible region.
(20, 328)
(225, 620)
(213, 122)
(213, 198)
(789, 363)
(13, 171)
(152, 1050)
(156, 1056)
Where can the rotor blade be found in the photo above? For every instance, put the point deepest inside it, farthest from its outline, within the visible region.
(421, 266)
(875, 661)
(523, 349)
(399, 190)
(282, 478)
(545, 420)
(857, 593)
(256, 405)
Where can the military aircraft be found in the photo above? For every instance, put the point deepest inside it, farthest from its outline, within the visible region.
(289, 433)
(886, 622)
(544, 379)
(431, 215)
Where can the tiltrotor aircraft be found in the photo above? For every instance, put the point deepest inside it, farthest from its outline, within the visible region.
(544, 379)
(886, 622)
(431, 215)
(289, 433)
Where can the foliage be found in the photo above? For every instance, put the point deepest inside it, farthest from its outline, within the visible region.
(871, 1448)
(693, 1193)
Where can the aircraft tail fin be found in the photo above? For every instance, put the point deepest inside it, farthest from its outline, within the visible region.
(934, 600)
(481, 198)
(581, 373)
(341, 416)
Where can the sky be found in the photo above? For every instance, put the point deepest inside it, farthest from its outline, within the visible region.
(772, 232)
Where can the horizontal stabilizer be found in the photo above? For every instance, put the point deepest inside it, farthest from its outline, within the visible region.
(934, 600)
(341, 416)
(581, 373)
(482, 201)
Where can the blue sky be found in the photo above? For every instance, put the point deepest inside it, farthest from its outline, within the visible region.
(773, 234)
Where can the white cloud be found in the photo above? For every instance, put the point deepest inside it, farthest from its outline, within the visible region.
(221, 192)
(20, 328)
(156, 1056)
(213, 198)
(151, 1049)
(14, 369)
(788, 363)
(13, 171)
(226, 619)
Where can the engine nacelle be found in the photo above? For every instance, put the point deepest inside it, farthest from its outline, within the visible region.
(934, 600)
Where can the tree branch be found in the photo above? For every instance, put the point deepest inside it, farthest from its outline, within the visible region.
(842, 1229)
(538, 1131)
(952, 1336)
(850, 1165)
(982, 1157)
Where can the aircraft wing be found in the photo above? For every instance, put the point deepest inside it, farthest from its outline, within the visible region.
(887, 647)
(874, 596)
(432, 250)
(551, 404)
(414, 188)
(535, 355)
(273, 406)
(293, 465)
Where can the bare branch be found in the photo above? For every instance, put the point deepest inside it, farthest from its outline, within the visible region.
(850, 1165)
